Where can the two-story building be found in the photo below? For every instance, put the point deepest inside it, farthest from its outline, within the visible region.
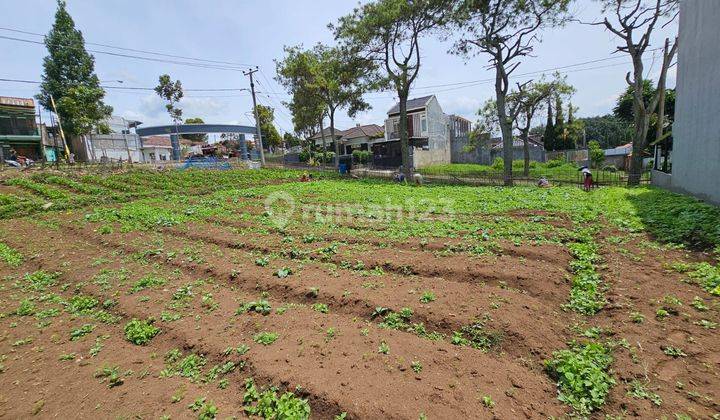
(18, 128)
(430, 133)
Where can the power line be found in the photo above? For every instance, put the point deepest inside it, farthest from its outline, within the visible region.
(135, 50)
(137, 88)
(598, 60)
(158, 60)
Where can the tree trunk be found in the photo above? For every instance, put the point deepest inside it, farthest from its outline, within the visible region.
(336, 160)
(404, 140)
(641, 122)
(505, 128)
(322, 134)
(526, 153)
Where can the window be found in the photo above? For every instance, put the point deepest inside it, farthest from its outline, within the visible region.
(163, 157)
(152, 156)
(423, 123)
(395, 126)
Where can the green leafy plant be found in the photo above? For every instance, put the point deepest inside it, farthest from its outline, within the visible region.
(81, 331)
(206, 410)
(582, 375)
(261, 307)
(26, 308)
(383, 348)
(10, 256)
(416, 366)
(699, 304)
(262, 261)
(321, 307)
(268, 405)
(674, 352)
(111, 374)
(638, 389)
(140, 332)
(637, 317)
(283, 272)
(265, 338)
(146, 283)
(427, 297)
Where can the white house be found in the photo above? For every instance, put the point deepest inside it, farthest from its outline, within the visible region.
(430, 132)
(156, 148)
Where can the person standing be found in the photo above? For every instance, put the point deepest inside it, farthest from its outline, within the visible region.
(587, 178)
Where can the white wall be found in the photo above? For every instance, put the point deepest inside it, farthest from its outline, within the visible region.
(159, 152)
(696, 130)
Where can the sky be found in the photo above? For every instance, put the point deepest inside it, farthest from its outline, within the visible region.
(253, 33)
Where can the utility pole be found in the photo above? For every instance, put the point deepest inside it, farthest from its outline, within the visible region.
(257, 119)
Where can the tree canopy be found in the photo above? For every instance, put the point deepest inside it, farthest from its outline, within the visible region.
(270, 134)
(172, 92)
(625, 110)
(324, 79)
(505, 31)
(195, 138)
(389, 32)
(69, 77)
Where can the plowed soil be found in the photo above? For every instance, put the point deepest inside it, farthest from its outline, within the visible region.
(332, 358)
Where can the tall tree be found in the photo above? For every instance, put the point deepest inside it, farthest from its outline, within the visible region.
(549, 134)
(195, 138)
(171, 92)
(336, 77)
(608, 130)
(624, 108)
(266, 116)
(389, 32)
(531, 99)
(560, 133)
(69, 77)
(506, 31)
(630, 18)
(574, 128)
(526, 101)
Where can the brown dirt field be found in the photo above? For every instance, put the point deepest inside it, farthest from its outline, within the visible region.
(332, 359)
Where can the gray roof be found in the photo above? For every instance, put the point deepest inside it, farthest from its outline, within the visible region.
(414, 103)
(369, 130)
(338, 133)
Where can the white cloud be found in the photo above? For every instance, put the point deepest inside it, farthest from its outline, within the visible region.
(461, 105)
(151, 110)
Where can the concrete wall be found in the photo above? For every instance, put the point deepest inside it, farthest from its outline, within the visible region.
(537, 154)
(696, 131)
(422, 158)
(95, 147)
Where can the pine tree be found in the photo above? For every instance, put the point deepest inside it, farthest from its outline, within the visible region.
(69, 76)
(560, 132)
(549, 135)
(572, 129)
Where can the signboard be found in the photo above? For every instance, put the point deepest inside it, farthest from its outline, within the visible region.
(24, 102)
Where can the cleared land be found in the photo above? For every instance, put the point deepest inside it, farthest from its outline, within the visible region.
(146, 294)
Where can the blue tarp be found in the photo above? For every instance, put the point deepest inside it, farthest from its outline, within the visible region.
(204, 162)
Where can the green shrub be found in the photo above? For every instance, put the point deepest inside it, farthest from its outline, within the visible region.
(140, 332)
